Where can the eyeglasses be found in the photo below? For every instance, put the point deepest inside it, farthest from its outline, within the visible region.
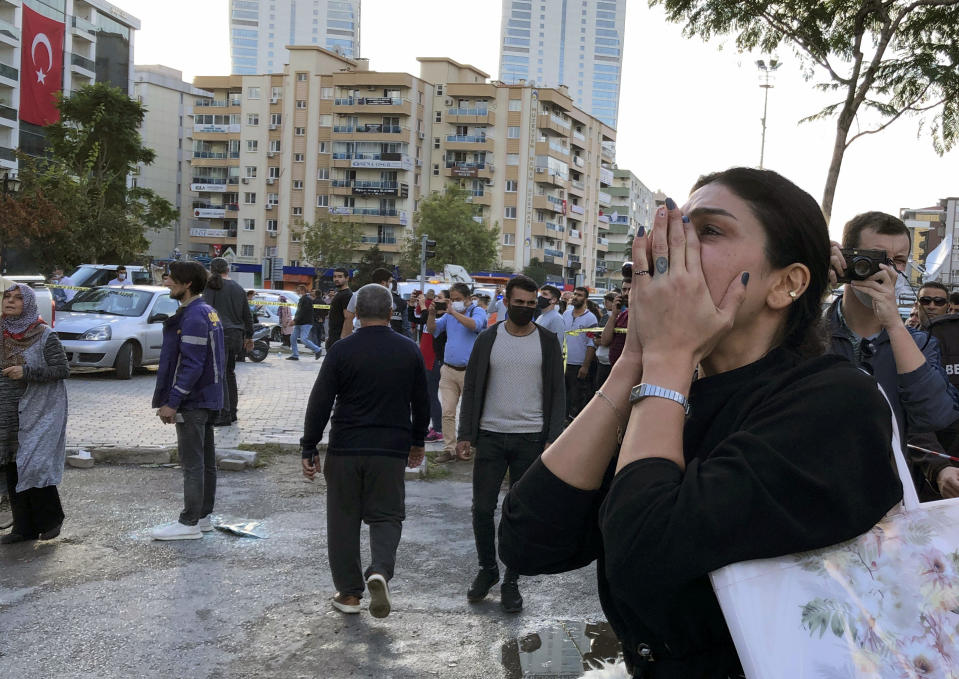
(937, 301)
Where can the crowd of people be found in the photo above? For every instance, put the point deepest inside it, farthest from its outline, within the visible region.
(712, 410)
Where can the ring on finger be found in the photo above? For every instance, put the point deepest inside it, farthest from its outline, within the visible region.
(641, 273)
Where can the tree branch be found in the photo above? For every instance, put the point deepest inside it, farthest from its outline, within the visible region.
(788, 32)
(889, 122)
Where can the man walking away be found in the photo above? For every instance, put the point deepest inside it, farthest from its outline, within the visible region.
(302, 325)
(514, 404)
(189, 392)
(377, 380)
(461, 324)
(229, 300)
(341, 282)
(580, 350)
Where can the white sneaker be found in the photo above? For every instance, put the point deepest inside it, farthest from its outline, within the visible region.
(379, 595)
(205, 524)
(176, 531)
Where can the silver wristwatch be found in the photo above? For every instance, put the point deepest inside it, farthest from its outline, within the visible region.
(641, 391)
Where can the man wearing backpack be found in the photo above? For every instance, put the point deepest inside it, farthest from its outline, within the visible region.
(462, 323)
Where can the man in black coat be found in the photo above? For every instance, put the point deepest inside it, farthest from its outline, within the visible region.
(302, 325)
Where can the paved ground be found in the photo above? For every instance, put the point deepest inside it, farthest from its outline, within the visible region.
(273, 397)
(104, 600)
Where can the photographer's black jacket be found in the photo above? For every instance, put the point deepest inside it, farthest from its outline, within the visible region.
(782, 455)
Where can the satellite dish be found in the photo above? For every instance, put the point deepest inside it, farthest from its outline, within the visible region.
(937, 259)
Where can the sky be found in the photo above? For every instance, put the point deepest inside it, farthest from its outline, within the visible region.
(686, 107)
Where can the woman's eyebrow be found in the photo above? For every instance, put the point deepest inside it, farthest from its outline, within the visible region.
(709, 212)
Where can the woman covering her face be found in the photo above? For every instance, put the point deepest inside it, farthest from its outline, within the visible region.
(782, 448)
(33, 417)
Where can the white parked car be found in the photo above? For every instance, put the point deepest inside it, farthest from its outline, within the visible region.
(112, 327)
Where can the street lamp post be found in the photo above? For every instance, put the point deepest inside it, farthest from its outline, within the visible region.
(766, 80)
(10, 186)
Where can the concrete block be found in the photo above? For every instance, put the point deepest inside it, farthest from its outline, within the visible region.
(250, 457)
(80, 462)
(231, 464)
(417, 472)
(133, 455)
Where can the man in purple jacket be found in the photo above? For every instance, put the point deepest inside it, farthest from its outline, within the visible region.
(189, 393)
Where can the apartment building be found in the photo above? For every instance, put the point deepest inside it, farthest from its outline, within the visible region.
(534, 164)
(632, 205)
(97, 47)
(577, 43)
(167, 129)
(261, 29)
(929, 227)
(327, 137)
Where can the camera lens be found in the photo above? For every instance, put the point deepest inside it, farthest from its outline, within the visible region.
(861, 267)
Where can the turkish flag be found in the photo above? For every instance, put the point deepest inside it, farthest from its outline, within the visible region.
(41, 67)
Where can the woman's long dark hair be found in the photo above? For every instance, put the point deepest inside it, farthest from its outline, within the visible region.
(796, 232)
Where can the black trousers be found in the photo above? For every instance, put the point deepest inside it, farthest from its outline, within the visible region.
(578, 392)
(369, 489)
(233, 341)
(35, 510)
(495, 455)
(602, 372)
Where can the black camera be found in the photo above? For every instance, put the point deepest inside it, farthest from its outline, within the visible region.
(862, 264)
(440, 306)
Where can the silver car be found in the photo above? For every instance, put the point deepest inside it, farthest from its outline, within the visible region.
(113, 327)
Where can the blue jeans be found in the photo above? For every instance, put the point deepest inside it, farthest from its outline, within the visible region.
(302, 333)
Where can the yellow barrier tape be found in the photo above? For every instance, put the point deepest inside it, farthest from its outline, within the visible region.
(68, 287)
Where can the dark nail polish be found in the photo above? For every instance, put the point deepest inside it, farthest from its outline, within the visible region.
(745, 278)
(670, 204)
(641, 232)
(685, 219)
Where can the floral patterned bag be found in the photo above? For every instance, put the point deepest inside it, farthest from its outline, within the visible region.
(884, 605)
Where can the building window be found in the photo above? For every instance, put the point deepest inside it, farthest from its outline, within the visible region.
(439, 117)
(301, 103)
(511, 185)
(276, 94)
(512, 133)
(510, 213)
(515, 104)
(297, 157)
(274, 145)
(436, 170)
(298, 184)
(276, 119)
(253, 93)
(252, 118)
(323, 173)
(439, 90)
(299, 131)
(326, 93)
(512, 159)
(436, 142)
(271, 225)
(273, 198)
(246, 251)
(297, 212)
(324, 147)
(274, 172)
(251, 171)
(249, 198)
(252, 145)
(302, 77)
(249, 225)
(509, 239)
(322, 201)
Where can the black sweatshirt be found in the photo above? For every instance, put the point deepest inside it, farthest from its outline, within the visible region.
(377, 378)
(231, 306)
(783, 455)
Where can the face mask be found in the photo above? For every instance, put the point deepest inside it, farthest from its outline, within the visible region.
(121, 276)
(459, 306)
(542, 302)
(863, 298)
(521, 315)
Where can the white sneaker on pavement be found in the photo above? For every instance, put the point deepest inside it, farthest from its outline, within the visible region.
(205, 524)
(176, 531)
(379, 595)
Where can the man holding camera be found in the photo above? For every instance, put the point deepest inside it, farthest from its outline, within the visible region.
(618, 318)
(865, 326)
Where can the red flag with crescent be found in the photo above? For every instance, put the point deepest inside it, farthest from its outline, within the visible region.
(41, 67)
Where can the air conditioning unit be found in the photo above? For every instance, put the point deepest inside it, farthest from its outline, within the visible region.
(274, 100)
(540, 170)
(271, 180)
(422, 135)
(270, 154)
(246, 180)
(269, 206)
(272, 233)
(449, 102)
(273, 126)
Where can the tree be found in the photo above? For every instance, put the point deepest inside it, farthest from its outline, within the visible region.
(330, 241)
(892, 58)
(372, 259)
(536, 270)
(448, 219)
(93, 149)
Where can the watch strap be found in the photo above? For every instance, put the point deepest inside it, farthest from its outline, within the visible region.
(644, 390)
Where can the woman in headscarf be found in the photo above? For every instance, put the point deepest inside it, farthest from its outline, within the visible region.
(286, 321)
(33, 417)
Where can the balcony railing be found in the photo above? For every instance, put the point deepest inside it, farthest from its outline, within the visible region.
(578, 161)
(371, 128)
(605, 198)
(603, 241)
(9, 72)
(209, 180)
(83, 62)
(368, 101)
(559, 121)
(572, 258)
(9, 29)
(466, 138)
(578, 184)
(7, 112)
(387, 240)
(579, 136)
(550, 252)
(216, 155)
(8, 154)
(216, 103)
(558, 202)
(467, 111)
(83, 25)
(620, 219)
(366, 211)
(577, 209)
(574, 233)
(550, 226)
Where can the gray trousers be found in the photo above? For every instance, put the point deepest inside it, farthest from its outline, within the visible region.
(369, 489)
(194, 439)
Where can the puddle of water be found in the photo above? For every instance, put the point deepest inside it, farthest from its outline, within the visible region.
(565, 651)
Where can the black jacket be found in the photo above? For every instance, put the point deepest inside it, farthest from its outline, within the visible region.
(477, 372)
(231, 306)
(783, 455)
(304, 311)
